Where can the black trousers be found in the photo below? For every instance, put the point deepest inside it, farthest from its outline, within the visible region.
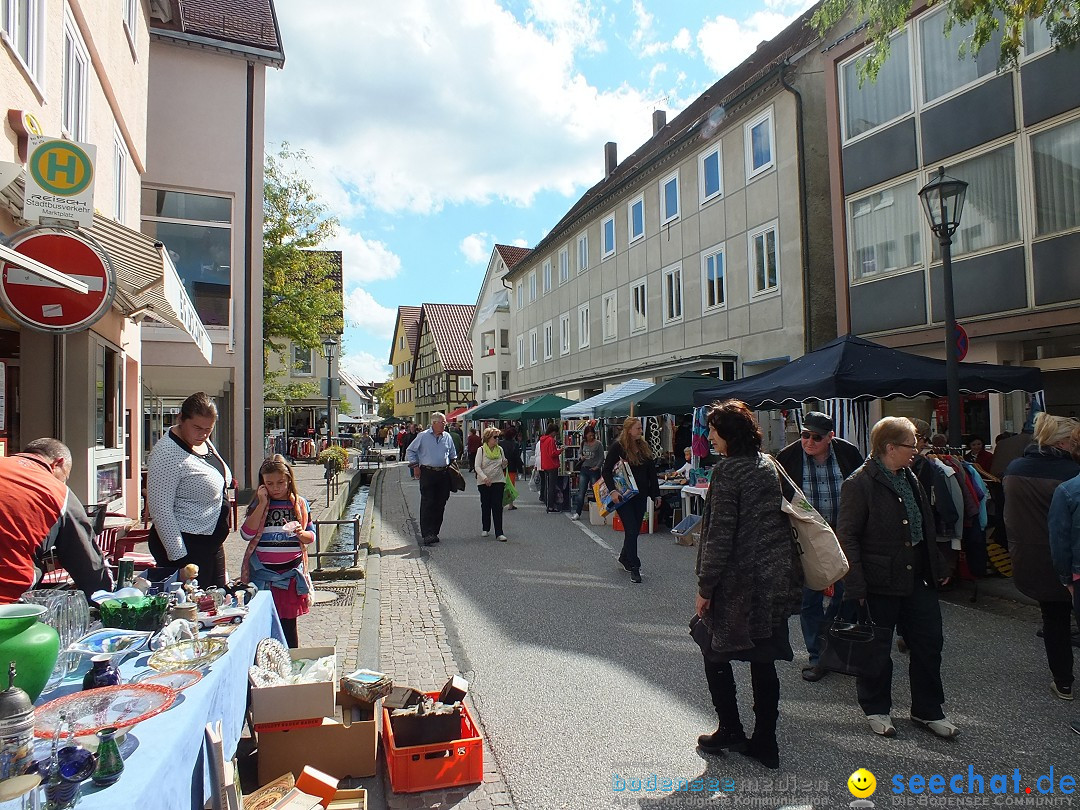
(920, 614)
(434, 493)
(551, 486)
(766, 687)
(631, 516)
(491, 508)
(204, 550)
(1057, 639)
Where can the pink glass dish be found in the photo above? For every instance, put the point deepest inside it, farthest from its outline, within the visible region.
(88, 712)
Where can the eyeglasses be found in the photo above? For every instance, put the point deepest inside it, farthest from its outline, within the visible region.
(806, 434)
(908, 446)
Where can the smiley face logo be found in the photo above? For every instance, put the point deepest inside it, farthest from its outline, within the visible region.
(862, 784)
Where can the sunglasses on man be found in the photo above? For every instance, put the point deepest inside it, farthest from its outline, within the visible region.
(815, 437)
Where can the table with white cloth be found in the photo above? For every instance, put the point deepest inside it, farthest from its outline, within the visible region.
(688, 493)
(167, 769)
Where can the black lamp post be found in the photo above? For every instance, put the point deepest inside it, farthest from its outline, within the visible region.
(943, 202)
(329, 344)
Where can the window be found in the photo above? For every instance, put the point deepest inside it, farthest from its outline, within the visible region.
(759, 145)
(583, 326)
(673, 294)
(21, 22)
(521, 295)
(302, 365)
(710, 170)
(532, 347)
(713, 280)
(504, 380)
(639, 315)
(635, 218)
(944, 69)
(401, 342)
(1056, 166)
(547, 340)
(583, 252)
(504, 341)
(120, 161)
(1036, 37)
(547, 276)
(76, 71)
(607, 230)
(196, 229)
(108, 390)
(764, 264)
(564, 265)
(669, 199)
(464, 383)
(609, 306)
(564, 333)
(131, 19)
(884, 231)
(877, 103)
(521, 351)
(532, 286)
(991, 215)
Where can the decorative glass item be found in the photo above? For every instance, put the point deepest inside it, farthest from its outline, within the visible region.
(16, 729)
(119, 706)
(69, 614)
(114, 643)
(135, 612)
(109, 762)
(101, 673)
(30, 644)
(178, 679)
(21, 793)
(201, 652)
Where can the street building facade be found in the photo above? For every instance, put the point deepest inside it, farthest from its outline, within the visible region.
(359, 394)
(402, 351)
(442, 372)
(489, 331)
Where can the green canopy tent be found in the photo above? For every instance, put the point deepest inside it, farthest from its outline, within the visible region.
(675, 396)
(495, 409)
(545, 407)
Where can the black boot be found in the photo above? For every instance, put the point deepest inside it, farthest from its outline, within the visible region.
(729, 733)
(733, 739)
(763, 745)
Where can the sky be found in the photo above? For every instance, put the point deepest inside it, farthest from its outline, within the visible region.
(437, 129)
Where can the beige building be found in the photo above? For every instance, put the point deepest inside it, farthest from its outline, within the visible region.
(402, 350)
(489, 330)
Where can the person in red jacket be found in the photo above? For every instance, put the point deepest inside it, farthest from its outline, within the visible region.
(549, 464)
(38, 514)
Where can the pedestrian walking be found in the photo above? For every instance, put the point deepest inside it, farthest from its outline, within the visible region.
(819, 462)
(549, 464)
(748, 582)
(490, 465)
(635, 451)
(472, 444)
(592, 462)
(1030, 483)
(430, 455)
(887, 531)
(1064, 525)
(512, 450)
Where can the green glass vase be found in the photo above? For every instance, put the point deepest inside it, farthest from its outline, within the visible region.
(31, 644)
(110, 764)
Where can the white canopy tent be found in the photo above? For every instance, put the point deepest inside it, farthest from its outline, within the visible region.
(587, 407)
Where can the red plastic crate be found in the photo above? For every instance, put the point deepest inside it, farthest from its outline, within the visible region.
(426, 767)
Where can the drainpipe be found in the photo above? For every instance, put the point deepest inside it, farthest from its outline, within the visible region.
(249, 217)
(804, 225)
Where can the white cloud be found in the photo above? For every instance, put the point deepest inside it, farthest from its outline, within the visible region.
(643, 21)
(366, 315)
(476, 247)
(519, 242)
(363, 260)
(509, 115)
(682, 41)
(725, 42)
(365, 365)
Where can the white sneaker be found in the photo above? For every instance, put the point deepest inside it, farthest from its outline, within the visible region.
(573, 517)
(485, 534)
(881, 724)
(501, 538)
(944, 727)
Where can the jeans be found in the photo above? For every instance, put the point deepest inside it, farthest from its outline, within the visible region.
(551, 485)
(631, 516)
(586, 479)
(491, 498)
(434, 493)
(815, 617)
(1057, 639)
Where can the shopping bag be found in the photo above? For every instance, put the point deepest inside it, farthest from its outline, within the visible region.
(822, 558)
(510, 492)
(534, 480)
(858, 648)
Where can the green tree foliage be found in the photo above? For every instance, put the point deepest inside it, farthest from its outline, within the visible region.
(384, 396)
(986, 17)
(274, 390)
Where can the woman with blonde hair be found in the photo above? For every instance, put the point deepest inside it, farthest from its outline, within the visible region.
(1029, 483)
(490, 464)
(635, 451)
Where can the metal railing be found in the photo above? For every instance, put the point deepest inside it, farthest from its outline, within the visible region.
(318, 554)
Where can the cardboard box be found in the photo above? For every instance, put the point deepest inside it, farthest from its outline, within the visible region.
(342, 745)
(295, 703)
(349, 800)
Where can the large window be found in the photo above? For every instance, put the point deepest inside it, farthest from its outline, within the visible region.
(532, 286)
(764, 261)
(548, 349)
(521, 351)
(991, 215)
(583, 326)
(944, 68)
(713, 284)
(609, 309)
(669, 199)
(884, 230)
(197, 231)
(520, 295)
(21, 21)
(759, 145)
(108, 395)
(639, 307)
(1056, 161)
(607, 229)
(583, 252)
(711, 180)
(1036, 37)
(76, 73)
(120, 161)
(547, 276)
(532, 347)
(564, 333)
(302, 362)
(635, 218)
(673, 294)
(564, 265)
(131, 19)
(877, 102)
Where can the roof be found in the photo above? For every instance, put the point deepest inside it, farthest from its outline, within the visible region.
(408, 318)
(449, 326)
(691, 122)
(361, 388)
(512, 254)
(250, 24)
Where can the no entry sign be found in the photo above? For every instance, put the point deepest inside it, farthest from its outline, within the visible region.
(40, 304)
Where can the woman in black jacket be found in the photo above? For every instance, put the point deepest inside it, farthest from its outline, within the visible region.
(635, 451)
(512, 450)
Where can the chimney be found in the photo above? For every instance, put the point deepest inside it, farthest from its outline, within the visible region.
(611, 159)
(659, 120)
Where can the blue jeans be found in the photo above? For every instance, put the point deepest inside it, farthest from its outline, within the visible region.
(586, 479)
(815, 618)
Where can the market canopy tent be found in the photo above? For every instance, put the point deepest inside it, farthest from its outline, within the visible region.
(857, 369)
(545, 407)
(495, 409)
(674, 396)
(587, 407)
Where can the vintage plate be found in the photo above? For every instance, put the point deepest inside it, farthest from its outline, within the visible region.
(87, 713)
(177, 680)
(188, 654)
(110, 641)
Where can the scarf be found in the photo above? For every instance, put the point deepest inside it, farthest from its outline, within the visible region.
(492, 453)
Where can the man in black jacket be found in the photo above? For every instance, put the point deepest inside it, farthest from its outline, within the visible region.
(819, 462)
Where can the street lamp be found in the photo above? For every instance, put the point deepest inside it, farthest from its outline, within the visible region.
(329, 344)
(943, 202)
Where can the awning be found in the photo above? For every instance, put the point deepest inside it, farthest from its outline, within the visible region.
(147, 281)
(586, 408)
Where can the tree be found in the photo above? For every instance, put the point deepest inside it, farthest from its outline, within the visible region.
(986, 17)
(384, 396)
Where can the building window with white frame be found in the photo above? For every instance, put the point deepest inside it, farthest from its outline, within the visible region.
(609, 314)
(673, 294)
(1055, 156)
(504, 381)
(669, 199)
(302, 362)
(464, 383)
(872, 104)
(532, 286)
(532, 347)
(583, 326)
(943, 71)
(711, 175)
(639, 303)
(583, 252)
(21, 22)
(607, 234)
(73, 100)
(521, 351)
(564, 264)
(764, 260)
(520, 295)
(120, 161)
(548, 348)
(635, 218)
(564, 333)
(1036, 37)
(991, 212)
(883, 231)
(547, 276)
(713, 281)
(131, 19)
(758, 135)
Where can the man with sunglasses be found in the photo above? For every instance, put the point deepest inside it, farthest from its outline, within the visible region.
(819, 462)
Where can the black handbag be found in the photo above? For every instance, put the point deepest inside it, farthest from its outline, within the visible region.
(858, 648)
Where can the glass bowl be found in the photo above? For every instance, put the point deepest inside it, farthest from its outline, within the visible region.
(110, 641)
(190, 654)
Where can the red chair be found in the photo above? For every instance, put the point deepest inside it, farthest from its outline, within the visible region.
(118, 543)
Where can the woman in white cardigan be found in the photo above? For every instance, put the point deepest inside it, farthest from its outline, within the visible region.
(490, 466)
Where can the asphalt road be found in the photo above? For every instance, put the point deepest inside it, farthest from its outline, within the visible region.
(586, 682)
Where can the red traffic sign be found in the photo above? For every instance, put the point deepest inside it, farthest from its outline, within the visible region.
(961, 338)
(40, 304)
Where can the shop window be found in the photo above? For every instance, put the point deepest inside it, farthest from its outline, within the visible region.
(107, 395)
